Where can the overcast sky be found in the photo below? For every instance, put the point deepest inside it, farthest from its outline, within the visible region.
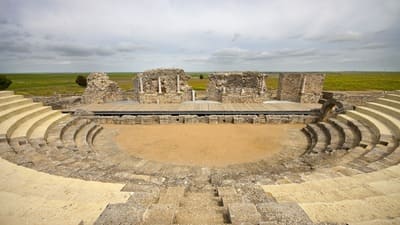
(210, 35)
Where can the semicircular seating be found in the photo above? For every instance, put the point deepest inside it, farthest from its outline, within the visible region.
(354, 161)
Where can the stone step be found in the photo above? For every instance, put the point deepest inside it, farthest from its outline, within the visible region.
(200, 200)
(10, 124)
(395, 97)
(325, 195)
(334, 135)
(352, 154)
(377, 152)
(6, 93)
(41, 131)
(68, 135)
(349, 211)
(172, 196)
(346, 135)
(388, 102)
(160, 214)
(312, 140)
(335, 184)
(386, 221)
(273, 213)
(18, 109)
(243, 213)
(322, 139)
(15, 103)
(10, 98)
(81, 137)
(389, 110)
(23, 129)
(389, 160)
(393, 123)
(367, 137)
(380, 130)
(92, 135)
(200, 216)
(120, 213)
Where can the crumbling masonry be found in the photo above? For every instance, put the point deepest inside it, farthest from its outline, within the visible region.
(162, 86)
(237, 87)
(101, 89)
(300, 87)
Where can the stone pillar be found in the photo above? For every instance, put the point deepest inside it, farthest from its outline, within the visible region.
(223, 90)
(263, 84)
(141, 84)
(193, 95)
(303, 85)
(159, 85)
(178, 86)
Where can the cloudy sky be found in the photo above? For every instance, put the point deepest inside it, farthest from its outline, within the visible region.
(209, 35)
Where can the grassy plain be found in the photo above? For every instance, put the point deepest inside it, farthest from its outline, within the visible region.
(64, 83)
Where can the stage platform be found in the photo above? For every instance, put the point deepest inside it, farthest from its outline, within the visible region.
(200, 108)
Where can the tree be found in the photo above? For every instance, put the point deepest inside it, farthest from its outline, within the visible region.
(81, 81)
(4, 82)
(201, 76)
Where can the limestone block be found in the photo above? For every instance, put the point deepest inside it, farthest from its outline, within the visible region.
(244, 213)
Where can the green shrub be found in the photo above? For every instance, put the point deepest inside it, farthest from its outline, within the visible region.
(4, 82)
(81, 81)
(201, 77)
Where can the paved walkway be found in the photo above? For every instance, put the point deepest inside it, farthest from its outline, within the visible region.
(34, 198)
(273, 106)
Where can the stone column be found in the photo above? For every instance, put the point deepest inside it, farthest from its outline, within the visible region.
(141, 84)
(159, 85)
(303, 84)
(262, 84)
(193, 95)
(178, 86)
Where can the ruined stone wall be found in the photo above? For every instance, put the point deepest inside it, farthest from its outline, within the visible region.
(240, 87)
(162, 86)
(300, 87)
(210, 119)
(101, 89)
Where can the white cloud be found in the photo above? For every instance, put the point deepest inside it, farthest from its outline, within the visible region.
(185, 33)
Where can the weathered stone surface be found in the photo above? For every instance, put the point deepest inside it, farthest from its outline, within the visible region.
(240, 213)
(300, 87)
(162, 86)
(283, 213)
(238, 87)
(100, 89)
(122, 214)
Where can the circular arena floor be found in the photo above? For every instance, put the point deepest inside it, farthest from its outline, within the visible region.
(202, 144)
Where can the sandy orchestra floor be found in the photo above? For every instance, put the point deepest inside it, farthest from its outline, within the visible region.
(202, 144)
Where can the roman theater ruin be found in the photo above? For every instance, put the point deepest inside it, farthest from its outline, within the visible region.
(240, 154)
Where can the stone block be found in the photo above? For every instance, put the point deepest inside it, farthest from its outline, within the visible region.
(242, 213)
(159, 214)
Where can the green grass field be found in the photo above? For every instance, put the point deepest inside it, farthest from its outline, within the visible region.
(64, 83)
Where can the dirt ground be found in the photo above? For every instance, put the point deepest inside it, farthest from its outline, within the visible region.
(202, 144)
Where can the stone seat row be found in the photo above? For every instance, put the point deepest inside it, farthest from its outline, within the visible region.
(367, 198)
(22, 119)
(368, 136)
